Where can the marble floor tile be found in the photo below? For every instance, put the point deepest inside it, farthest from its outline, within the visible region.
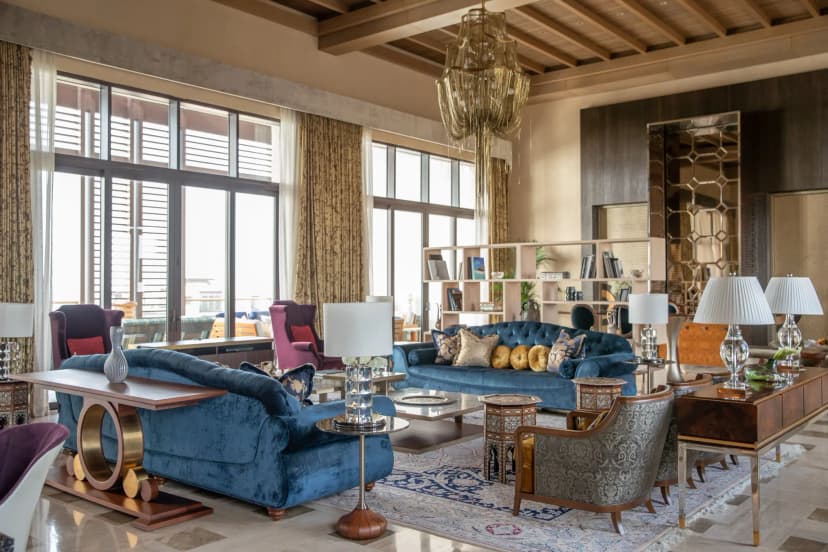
(798, 544)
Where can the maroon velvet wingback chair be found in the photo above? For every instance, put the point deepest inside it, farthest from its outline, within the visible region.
(290, 351)
(79, 322)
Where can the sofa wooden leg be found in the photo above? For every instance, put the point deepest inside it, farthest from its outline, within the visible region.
(734, 459)
(276, 513)
(723, 464)
(516, 507)
(616, 522)
(650, 507)
(665, 494)
(369, 486)
(691, 483)
(700, 471)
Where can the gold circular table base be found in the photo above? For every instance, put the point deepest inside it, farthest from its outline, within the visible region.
(129, 437)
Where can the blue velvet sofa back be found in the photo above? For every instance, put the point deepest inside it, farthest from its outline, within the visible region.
(255, 443)
(531, 333)
(603, 355)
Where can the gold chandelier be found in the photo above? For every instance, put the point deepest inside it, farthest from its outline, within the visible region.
(482, 88)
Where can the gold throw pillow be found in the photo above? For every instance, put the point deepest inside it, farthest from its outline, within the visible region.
(520, 357)
(474, 350)
(538, 357)
(500, 356)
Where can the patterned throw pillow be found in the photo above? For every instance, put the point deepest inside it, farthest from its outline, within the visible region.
(474, 350)
(447, 346)
(565, 347)
(297, 382)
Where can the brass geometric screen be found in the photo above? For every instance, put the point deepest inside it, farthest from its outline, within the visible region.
(694, 201)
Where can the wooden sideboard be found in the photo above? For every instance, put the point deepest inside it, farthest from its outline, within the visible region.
(230, 351)
(716, 420)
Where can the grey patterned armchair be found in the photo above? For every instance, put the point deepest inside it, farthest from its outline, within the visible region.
(609, 468)
(668, 469)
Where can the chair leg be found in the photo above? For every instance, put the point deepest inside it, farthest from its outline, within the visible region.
(516, 507)
(691, 483)
(369, 486)
(665, 494)
(700, 471)
(616, 522)
(276, 513)
(650, 507)
(734, 459)
(723, 464)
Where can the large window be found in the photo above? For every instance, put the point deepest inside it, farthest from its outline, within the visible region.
(164, 209)
(419, 199)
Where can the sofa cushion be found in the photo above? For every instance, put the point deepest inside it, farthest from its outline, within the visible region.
(86, 345)
(297, 382)
(565, 347)
(519, 359)
(447, 347)
(304, 334)
(538, 358)
(475, 350)
(500, 357)
(568, 368)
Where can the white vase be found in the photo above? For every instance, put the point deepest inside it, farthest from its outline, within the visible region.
(115, 367)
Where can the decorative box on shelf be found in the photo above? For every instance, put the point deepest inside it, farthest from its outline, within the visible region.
(14, 403)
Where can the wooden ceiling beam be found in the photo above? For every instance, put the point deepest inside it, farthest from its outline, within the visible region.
(758, 12)
(654, 21)
(528, 64)
(812, 7)
(540, 46)
(693, 7)
(553, 26)
(599, 21)
(785, 42)
(395, 19)
(407, 59)
(339, 6)
(276, 13)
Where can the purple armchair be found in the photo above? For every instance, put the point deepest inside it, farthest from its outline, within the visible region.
(78, 322)
(291, 352)
(28, 453)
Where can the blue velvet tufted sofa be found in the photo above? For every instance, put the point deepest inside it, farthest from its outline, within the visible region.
(604, 356)
(256, 443)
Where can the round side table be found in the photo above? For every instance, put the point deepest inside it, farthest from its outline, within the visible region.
(362, 522)
(650, 366)
(596, 394)
(503, 414)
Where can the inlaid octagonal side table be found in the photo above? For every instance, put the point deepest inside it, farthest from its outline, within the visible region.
(503, 414)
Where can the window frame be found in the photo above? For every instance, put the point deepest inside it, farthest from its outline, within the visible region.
(175, 179)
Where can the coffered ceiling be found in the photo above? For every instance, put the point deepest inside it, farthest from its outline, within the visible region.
(559, 41)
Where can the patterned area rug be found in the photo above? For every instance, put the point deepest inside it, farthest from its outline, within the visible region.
(443, 492)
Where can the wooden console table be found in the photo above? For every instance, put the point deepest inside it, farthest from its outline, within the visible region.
(230, 351)
(126, 486)
(714, 419)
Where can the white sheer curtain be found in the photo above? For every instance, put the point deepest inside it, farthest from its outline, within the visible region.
(288, 183)
(42, 173)
(368, 205)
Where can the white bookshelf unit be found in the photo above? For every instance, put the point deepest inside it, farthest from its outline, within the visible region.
(646, 255)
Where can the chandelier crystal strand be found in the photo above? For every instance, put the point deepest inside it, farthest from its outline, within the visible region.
(482, 89)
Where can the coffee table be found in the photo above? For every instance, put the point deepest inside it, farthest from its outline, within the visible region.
(437, 423)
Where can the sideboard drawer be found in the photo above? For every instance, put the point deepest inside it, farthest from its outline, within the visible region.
(793, 405)
(813, 396)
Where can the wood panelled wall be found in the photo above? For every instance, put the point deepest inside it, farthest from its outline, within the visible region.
(784, 149)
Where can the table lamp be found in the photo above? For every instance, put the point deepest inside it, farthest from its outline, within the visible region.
(16, 320)
(734, 300)
(648, 309)
(790, 295)
(358, 332)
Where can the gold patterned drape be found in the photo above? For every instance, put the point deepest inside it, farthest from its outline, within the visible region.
(329, 214)
(16, 263)
(502, 259)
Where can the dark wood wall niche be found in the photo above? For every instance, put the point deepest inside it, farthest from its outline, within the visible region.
(784, 148)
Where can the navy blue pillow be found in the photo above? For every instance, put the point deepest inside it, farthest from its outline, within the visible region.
(568, 367)
(297, 382)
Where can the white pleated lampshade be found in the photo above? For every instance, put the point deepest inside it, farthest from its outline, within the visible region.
(358, 329)
(734, 300)
(792, 295)
(16, 320)
(648, 308)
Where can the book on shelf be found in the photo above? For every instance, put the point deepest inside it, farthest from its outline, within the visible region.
(438, 269)
(454, 297)
(613, 267)
(588, 267)
(564, 275)
(477, 268)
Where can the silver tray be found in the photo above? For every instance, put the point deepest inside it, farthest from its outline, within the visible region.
(424, 400)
